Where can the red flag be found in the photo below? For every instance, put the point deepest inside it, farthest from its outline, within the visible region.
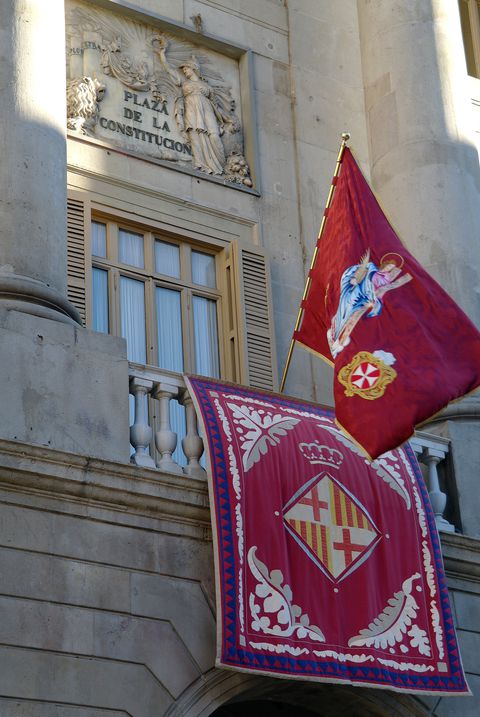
(400, 346)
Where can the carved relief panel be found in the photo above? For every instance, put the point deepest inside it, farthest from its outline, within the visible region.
(152, 93)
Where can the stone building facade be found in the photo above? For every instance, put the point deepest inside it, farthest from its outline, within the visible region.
(197, 144)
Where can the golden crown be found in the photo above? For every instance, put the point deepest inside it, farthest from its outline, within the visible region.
(316, 453)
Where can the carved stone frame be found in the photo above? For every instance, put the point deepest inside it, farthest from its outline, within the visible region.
(241, 54)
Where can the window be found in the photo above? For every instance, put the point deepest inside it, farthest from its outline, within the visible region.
(160, 294)
(470, 21)
(188, 298)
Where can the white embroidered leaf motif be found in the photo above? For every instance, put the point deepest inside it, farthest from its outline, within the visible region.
(388, 473)
(276, 601)
(391, 625)
(257, 430)
(419, 640)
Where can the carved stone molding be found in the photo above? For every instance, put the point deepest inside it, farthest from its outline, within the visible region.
(181, 506)
(153, 93)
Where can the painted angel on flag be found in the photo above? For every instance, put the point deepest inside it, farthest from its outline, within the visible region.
(362, 288)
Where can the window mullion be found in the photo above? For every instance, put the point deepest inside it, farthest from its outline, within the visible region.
(114, 301)
(474, 14)
(188, 331)
(150, 328)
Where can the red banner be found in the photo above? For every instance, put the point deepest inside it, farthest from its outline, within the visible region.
(328, 567)
(401, 348)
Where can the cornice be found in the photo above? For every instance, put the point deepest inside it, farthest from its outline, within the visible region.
(176, 499)
(461, 556)
(115, 486)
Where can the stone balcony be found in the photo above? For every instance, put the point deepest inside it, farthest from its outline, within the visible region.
(155, 446)
(108, 566)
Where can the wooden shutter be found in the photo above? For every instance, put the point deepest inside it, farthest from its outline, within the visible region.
(257, 365)
(77, 232)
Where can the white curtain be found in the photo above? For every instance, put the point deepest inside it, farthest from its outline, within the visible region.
(169, 328)
(177, 420)
(99, 239)
(167, 259)
(206, 337)
(130, 248)
(132, 310)
(203, 269)
(100, 300)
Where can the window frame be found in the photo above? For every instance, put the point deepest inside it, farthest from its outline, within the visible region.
(152, 279)
(246, 327)
(473, 32)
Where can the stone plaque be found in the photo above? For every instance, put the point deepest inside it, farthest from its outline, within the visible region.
(134, 86)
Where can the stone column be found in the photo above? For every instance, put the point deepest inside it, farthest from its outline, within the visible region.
(33, 162)
(423, 160)
(425, 170)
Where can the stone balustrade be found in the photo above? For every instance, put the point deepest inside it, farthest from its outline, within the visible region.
(154, 447)
(432, 450)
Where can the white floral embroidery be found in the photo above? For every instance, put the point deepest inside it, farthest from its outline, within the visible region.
(427, 564)
(422, 520)
(436, 628)
(406, 665)
(279, 649)
(239, 530)
(241, 614)
(223, 419)
(391, 625)
(234, 472)
(286, 619)
(429, 572)
(386, 470)
(419, 640)
(258, 430)
(344, 658)
(287, 409)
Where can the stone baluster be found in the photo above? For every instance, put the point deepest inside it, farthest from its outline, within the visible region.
(431, 458)
(140, 431)
(192, 444)
(165, 438)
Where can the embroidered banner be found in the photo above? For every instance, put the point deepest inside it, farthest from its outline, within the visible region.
(327, 567)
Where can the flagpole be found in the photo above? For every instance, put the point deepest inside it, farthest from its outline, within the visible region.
(343, 144)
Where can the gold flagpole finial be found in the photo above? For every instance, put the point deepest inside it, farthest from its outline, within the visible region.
(345, 136)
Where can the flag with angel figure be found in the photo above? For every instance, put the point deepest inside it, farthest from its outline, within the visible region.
(328, 567)
(400, 346)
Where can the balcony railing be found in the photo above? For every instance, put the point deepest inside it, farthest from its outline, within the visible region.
(432, 450)
(163, 388)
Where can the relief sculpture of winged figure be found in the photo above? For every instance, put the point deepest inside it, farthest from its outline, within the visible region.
(203, 105)
(145, 60)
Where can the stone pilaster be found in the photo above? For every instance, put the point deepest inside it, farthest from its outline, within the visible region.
(424, 164)
(33, 162)
(425, 170)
